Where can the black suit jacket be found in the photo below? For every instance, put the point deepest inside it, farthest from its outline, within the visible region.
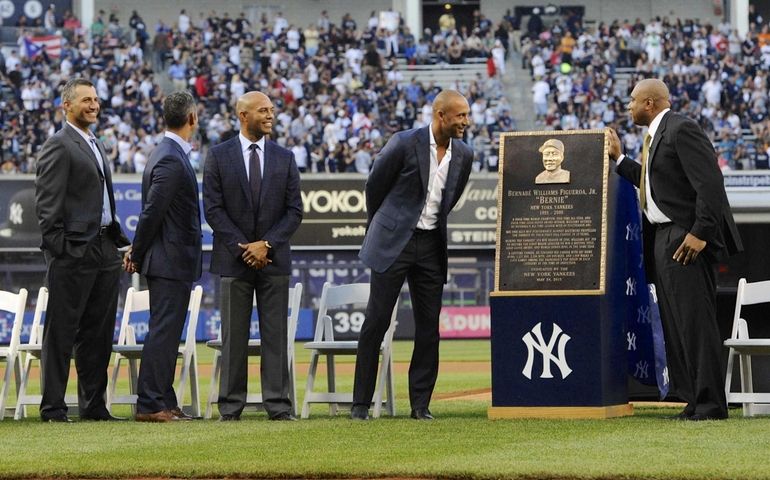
(167, 243)
(687, 185)
(228, 207)
(69, 192)
(396, 191)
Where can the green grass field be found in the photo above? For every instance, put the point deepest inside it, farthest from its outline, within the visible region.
(461, 443)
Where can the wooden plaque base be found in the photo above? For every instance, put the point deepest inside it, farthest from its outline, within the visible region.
(499, 413)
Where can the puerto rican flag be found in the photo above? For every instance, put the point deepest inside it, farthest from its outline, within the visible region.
(35, 45)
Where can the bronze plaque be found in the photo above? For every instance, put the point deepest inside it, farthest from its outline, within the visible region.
(552, 213)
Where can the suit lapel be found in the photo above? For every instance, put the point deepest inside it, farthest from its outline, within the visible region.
(453, 177)
(107, 175)
(240, 168)
(77, 138)
(423, 156)
(656, 140)
(267, 167)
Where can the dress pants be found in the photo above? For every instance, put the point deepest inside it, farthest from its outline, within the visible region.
(169, 300)
(236, 306)
(420, 263)
(82, 302)
(687, 301)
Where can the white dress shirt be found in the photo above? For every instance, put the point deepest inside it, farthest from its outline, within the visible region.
(651, 210)
(245, 144)
(436, 184)
(186, 147)
(91, 142)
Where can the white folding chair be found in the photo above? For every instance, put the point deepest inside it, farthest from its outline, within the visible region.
(254, 400)
(744, 347)
(127, 349)
(12, 303)
(339, 297)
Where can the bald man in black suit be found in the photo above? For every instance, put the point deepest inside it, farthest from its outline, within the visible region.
(688, 227)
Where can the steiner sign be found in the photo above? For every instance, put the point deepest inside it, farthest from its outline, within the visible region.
(552, 222)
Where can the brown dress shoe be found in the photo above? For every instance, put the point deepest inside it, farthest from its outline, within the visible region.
(157, 417)
(180, 415)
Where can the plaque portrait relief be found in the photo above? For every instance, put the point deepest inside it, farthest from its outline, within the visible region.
(553, 157)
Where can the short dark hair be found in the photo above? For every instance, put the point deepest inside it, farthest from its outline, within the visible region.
(68, 91)
(176, 107)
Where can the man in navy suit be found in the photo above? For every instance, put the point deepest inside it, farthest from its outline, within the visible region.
(167, 251)
(76, 212)
(687, 227)
(414, 183)
(252, 202)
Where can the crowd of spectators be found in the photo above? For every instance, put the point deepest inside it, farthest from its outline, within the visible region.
(582, 78)
(336, 86)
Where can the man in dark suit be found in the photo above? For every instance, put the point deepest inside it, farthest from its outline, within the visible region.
(167, 251)
(76, 212)
(687, 227)
(414, 183)
(252, 202)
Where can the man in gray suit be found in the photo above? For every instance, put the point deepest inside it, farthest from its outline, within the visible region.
(252, 202)
(167, 251)
(414, 183)
(76, 211)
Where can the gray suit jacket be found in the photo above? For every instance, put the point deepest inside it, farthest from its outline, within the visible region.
(69, 194)
(396, 191)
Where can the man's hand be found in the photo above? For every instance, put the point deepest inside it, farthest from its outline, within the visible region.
(128, 265)
(615, 150)
(689, 250)
(255, 254)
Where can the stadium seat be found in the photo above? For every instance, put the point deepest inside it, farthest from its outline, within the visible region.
(255, 350)
(744, 347)
(33, 349)
(13, 303)
(127, 349)
(324, 344)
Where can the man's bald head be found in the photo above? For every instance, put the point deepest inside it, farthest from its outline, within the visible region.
(248, 99)
(649, 97)
(255, 112)
(653, 88)
(450, 115)
(446, 98)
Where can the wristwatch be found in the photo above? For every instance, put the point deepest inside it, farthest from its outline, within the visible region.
(267, 244)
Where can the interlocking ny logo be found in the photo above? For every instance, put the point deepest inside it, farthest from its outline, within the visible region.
(632, 231)
(546, 349)
(16, 215)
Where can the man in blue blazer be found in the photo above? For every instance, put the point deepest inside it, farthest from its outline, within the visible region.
(167, 251)
(414, 183)
(252, 202)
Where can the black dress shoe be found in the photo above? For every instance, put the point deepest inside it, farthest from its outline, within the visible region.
(227, 417)
(102, 418)
(57, 419)
(421, 414)
(284, 417)
(359, 412)
(683, 415)
(699, 417)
